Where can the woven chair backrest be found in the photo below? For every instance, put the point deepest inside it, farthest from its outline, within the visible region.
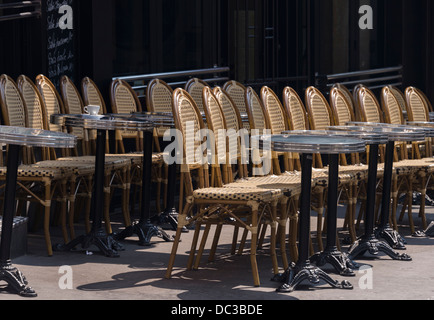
(391, 108)
(341, 107)
(295, 110)
(318, 110)
(36, 115)
(276, 113)
(195, 88)
(417, 105)
(370, 110)
(92, 95)
(52, 100)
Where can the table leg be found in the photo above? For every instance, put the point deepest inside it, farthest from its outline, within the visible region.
(170, 214)
(339, 260)
(145, 229)
(98, 237)
(304, 270)
(369, 242)
(13, 277)
(384, 231)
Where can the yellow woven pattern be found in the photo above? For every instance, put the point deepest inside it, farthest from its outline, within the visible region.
(74, 106)
(228, 110)
(418, 107)
(51, 104)
(275, 112)
(237, 94)
(217, 120)
(93, 97)
(296, 113)
(343, 112)
(34, 107)
(399, 98)
(125, 103)
(320, 114)
(161, 98)
(242, 194)
(196, 91)
(371, 110)
(15, 105)
(258, 114)
(188, 116)
(394, 109)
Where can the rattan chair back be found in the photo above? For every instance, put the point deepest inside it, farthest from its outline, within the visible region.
(14, 111)
(318, 110)
(276, 114)
(417, 105)
(237, 92)
(195, 88)
(341, 106)
(295, 110)
(368, 105)
(391, 107)
(92, 95)
(258, 120)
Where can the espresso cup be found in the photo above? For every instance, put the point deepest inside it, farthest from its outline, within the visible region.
(92, 110)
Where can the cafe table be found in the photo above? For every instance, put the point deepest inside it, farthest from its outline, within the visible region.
(107, 244)
(394, 133)
(16, 137)
(339, 260)
(307, 145)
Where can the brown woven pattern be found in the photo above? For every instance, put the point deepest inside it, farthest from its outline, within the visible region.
(342, 110)
(290, 184)
(228, 108)
(14, 104)
(391, 107)
(257, 112)
(195, 89)
(31, 171)
(369, 105)
(275, 111)
(93, 97)
(161, 98)
(240, 194)
(418, 110)
(295, 110)
(73, 103)
(318, 109)
(189, 117)
(35, 113)
(111, 162)
(218, 124)
(237, 92)
(399, 98)
(51, 103)
(76, 167)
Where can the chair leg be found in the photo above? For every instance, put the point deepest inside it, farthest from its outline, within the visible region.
(193, 246)
(217, 235)
(47, 209)
(176, 241)
(243, 242)
(202, 246)
(253, 247)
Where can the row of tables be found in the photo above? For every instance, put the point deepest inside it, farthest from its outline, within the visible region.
(352, 138)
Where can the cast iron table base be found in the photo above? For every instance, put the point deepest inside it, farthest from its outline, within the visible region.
(296, 274)
(374, 246)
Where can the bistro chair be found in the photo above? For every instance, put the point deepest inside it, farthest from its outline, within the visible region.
(418, 111)
(40, 185)
(195, 88)
(237, 92)
(245, 207)
(278, 123)
(79, 183)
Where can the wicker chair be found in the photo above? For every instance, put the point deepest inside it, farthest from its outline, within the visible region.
(278, 122)
(195, 88)
(217, 205)
(237, 92)
(40, 185)
(418, 111)
(80, 183)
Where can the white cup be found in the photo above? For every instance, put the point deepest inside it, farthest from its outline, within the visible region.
(92, 110)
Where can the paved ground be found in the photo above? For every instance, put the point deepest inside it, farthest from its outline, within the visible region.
(139, 274)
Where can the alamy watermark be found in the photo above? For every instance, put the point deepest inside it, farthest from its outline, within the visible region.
(66, 21)
(366, 21)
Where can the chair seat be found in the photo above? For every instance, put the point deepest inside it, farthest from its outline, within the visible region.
(111, 163)
(79, 169)
(289, 184)
(414, 166)
(31, 171)
(237, 193)
(137, 157)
